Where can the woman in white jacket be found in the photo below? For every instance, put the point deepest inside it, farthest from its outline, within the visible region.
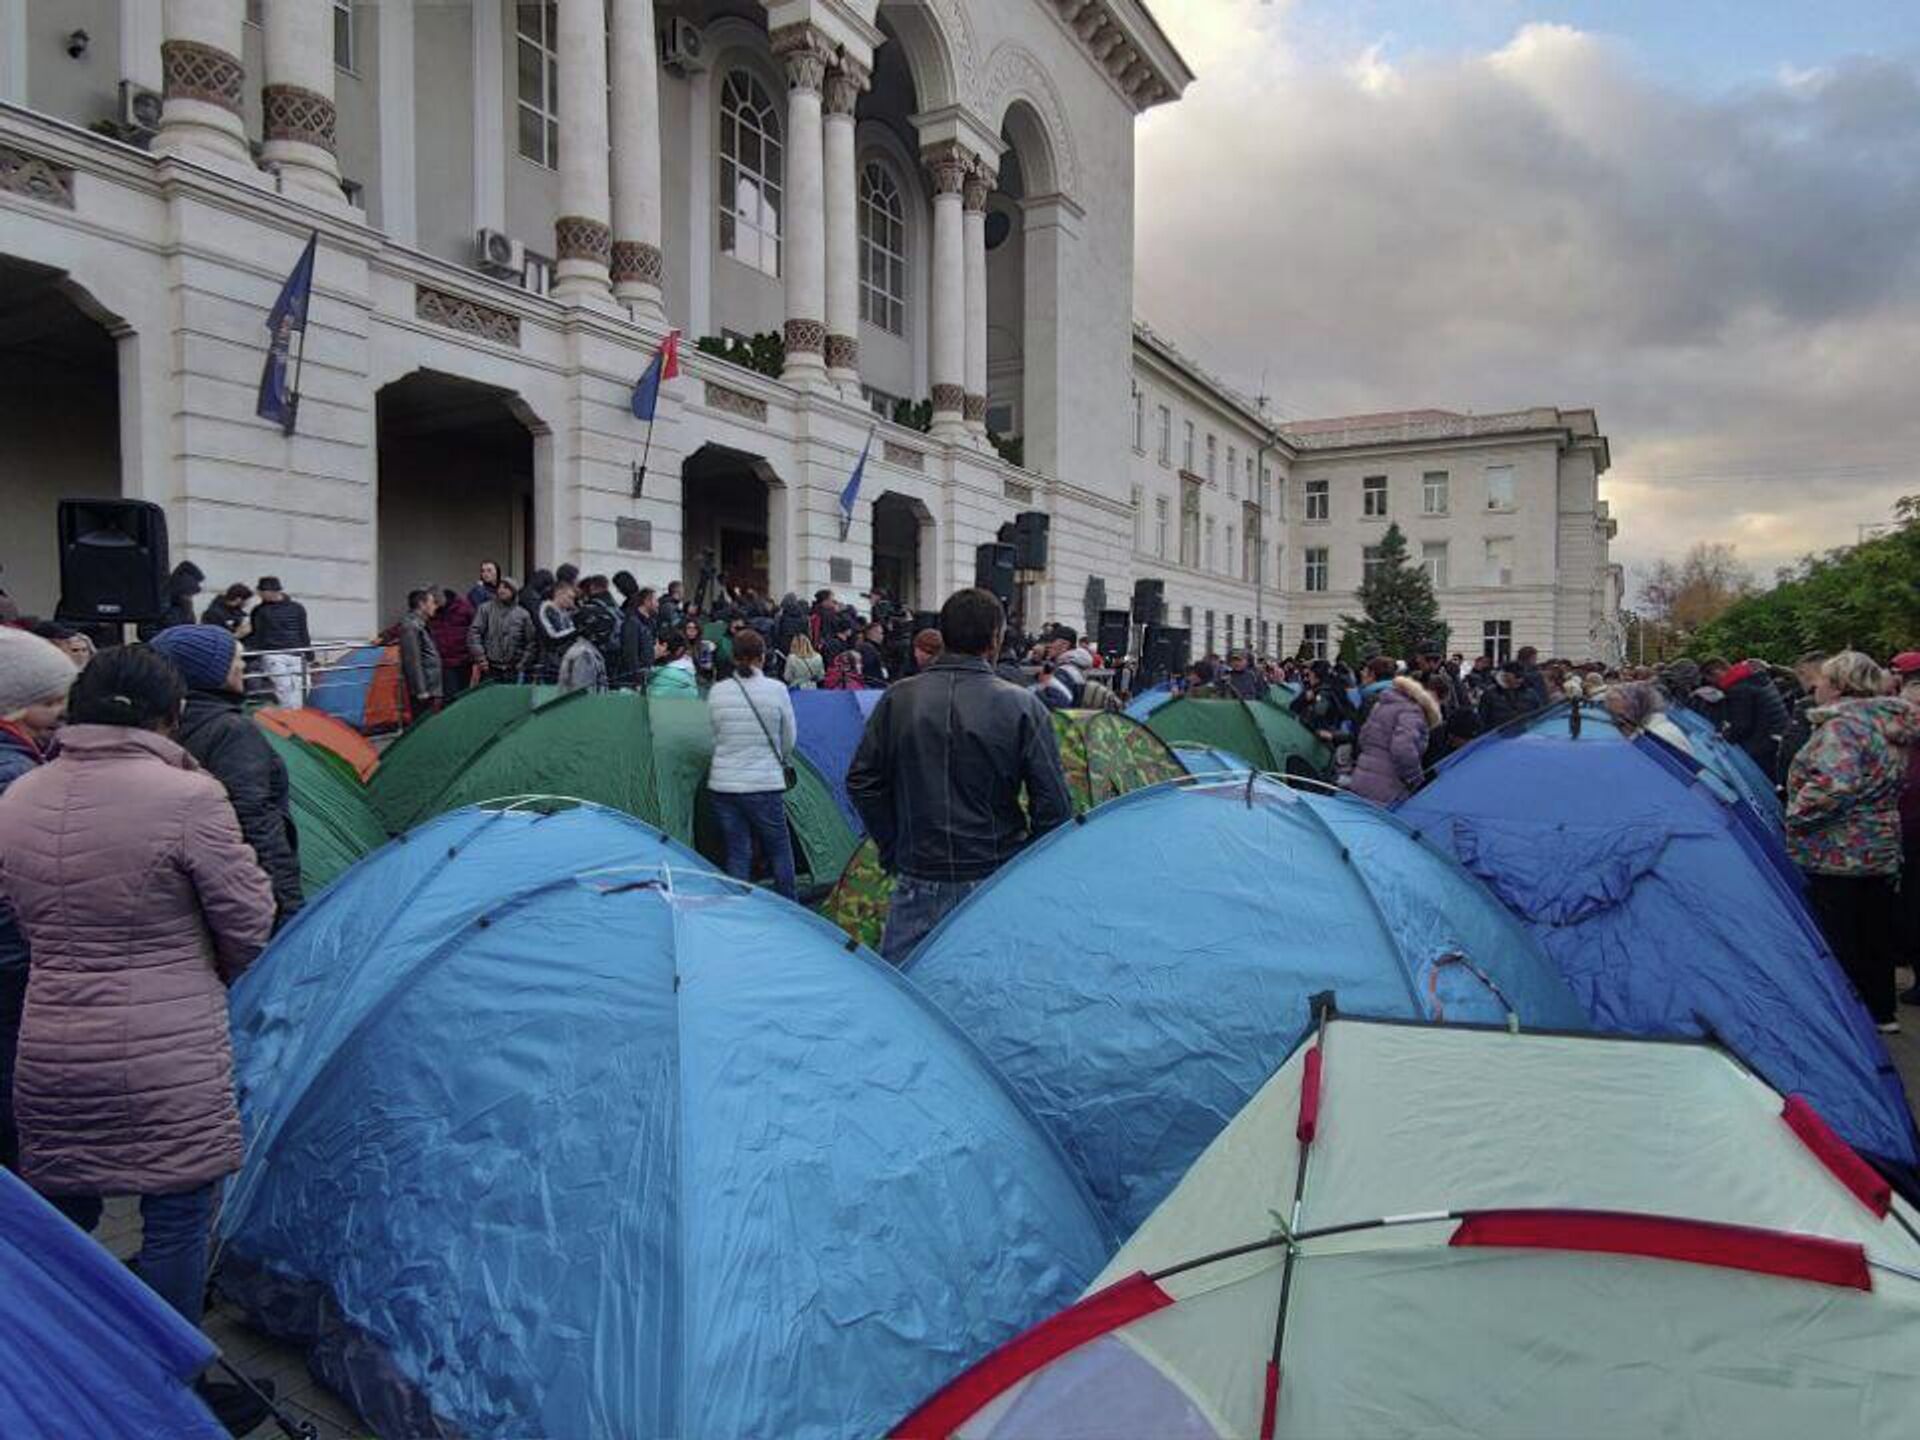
(753, 739)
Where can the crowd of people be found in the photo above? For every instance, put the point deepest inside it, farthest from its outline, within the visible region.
(147, 851)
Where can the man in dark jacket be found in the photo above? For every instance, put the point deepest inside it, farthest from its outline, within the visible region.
(1508, 699)
(1753, 716)
(182, 585)
(419, 656)
(940, 771)
(639, 635)
(482, 589)
(500, 639)
(280, 629)
(228, 609)
(215, 730)
(1242, 679)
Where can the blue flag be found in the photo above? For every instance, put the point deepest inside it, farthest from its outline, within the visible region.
(665, 365)
(850, 492)
(278, 401)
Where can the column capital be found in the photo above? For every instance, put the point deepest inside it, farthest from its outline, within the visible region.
(806, 53)
(949, 164)
(980, 180)
(846, 82)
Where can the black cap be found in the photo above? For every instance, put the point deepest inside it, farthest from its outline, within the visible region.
(268, 582)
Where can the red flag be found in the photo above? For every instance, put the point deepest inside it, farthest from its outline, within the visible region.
(670, 356)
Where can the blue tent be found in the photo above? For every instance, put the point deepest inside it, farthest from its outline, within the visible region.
(829, 724)
(1145, 702)
(85, 1348)
(1208, 760)
(1138, 975)
(1661, 899)
(575, 1137)
(1731, 764)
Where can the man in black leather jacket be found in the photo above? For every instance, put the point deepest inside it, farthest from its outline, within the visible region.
(940, 771)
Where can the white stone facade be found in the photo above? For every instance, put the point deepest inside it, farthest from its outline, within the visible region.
(930, 200)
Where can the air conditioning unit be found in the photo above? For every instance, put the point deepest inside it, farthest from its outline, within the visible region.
(139, 109)
(682, 50)
(498, 253)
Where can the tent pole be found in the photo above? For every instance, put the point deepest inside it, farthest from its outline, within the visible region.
(1323, 1004)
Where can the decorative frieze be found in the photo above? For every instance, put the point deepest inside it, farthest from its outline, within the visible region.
(193, 71)
(576, 237)
(905, 456)
(35, 178)
(806, 337)
(736, 402)
(292, 112)
(637, 260)
(469, 317)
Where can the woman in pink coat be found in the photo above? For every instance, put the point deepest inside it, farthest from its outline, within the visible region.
(141, 903)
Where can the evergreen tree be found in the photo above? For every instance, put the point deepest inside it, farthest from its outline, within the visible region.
(1402, 618)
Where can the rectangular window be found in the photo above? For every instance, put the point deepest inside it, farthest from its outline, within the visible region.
(1313, 640)
(1373, 498)
(343, 34)
(1250, 551)
(1278, 574)
(1190, 524)
(1370, 562)
(1233, 473)
(1166, 434)
(1433, 560)
(1499, 566)
(539, 78)
(1229, 551)
(1315, 564)
(1186, 449)
(1246, 631)
(1496, 639)
(1433, 493)
(1318, 501)
(1229, 630)
(1209, 649)
(1139, 422)
(1266, 638)
(1210, 549)
(1210, 458)
(1499, 487)
(1160, 526)
(1186, 621)
(1139, 516)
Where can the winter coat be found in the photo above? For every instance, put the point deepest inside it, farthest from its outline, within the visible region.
(216, 732)
(450, 628)
(583, 667)
(1393, 742)
(18, 755)
(1843, 789)
(1501, 704)
(792, 621)
(744, 762)
(502, 635)
(553, 632)
(279, 625)
(676, 677)
(1754, 717)
(227, 616)
(805, 672)
(1247, 684)
(142, 903)
(419, 658)
(637, 641)
(182, 585)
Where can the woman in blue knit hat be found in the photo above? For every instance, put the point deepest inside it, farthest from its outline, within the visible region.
(215, 730)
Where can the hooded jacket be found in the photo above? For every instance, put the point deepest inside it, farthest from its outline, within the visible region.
(215, 731)
(1393, 741)
(142, 903)
(1753, 716)
(1843, 788)
(182, 585)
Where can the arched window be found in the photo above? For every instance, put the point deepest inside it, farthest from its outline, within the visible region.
(751, 174)
(883, 250)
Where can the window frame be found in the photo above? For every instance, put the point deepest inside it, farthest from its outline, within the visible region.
(1212, 551)
(1373, 488)
(1437, 575)
(1427, 489)
(881, 299)
(1512, 501)
(1186, 447)
(1166, 434)
(1139, 423)
(1160, 509)
(1371, 559)
(1212, 457)
(1488, 576)
(343, 10)
(1316, 638)
(1321, 490)
(1190, 524)
(1316, 561)
(770, 190)
(1496, 640)
(545, 107)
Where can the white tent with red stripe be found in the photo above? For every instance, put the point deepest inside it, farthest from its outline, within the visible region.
(1418, 1230)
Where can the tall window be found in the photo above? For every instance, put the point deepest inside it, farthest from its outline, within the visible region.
(883, 251)
(1499, 567)
(539, 68)
(1160, 508)
(1433, 560)
(1433, 493)
(1313, 640)
(1228, 554)
(1209, 632)
(1499, 487)
(1210, 547)
(1166, 434)
(1266, 638)
(1186, 450)
(1190, 525)
(1496, 639)
(1373, 498)
(1315, 557)
(1211, 453)
(1139, 517)
(1233, 473)
(1250, 549)
(1371, 560)
(751, 174)
(1229, 630)
(1139, 422)
(1317, 500)
(343, 33)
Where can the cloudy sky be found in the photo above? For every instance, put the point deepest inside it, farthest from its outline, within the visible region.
(1700, 217)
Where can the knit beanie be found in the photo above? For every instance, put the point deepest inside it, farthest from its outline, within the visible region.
(31, 670)
(201, 653)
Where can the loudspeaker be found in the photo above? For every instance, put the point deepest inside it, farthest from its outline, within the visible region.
(993, 569)
(1149, 601)
(1163, 653)
(1030, 540)
(1115, 633)
(113, 561)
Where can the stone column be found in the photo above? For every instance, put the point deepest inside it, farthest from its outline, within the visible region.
(948, 164)
(979, 182)
(296, 103)
(807, 54)
(639, 268)
(200, 67)
(844, 84)
(582, 237)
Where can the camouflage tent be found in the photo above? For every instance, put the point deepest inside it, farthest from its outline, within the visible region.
(1104, 753)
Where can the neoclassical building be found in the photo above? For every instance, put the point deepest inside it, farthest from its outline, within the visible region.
(903, 227)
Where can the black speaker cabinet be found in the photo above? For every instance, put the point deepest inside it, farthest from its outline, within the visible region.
(113, 561)
(993, 567)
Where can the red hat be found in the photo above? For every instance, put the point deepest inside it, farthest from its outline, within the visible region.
(1906, 662)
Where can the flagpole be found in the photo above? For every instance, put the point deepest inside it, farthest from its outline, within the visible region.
(646, 449)
(293, 397)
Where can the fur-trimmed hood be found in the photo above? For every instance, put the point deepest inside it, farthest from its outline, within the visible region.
(1421, 696)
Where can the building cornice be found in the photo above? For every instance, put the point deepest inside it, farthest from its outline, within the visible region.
(1123, 39)
(1210, 387)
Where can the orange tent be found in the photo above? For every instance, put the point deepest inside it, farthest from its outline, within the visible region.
(329, 732)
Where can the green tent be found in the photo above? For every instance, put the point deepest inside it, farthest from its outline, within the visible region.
(1104, 754)
(336, 825)
(1260, 732)
(422, 762)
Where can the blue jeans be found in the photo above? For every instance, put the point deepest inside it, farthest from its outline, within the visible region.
(173, 1242)
(758, 815)
(918, 906)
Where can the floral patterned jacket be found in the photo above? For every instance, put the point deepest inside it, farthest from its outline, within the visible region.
(1843, 788)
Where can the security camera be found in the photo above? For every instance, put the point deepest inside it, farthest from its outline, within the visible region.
(77, 43)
